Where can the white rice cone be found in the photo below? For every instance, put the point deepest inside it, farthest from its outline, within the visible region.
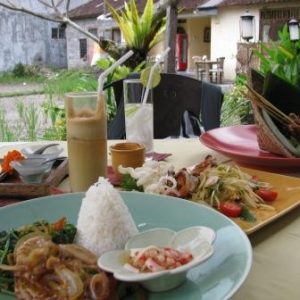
(104, 222)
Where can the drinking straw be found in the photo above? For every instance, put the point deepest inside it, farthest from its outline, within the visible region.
(111, 68)
(152, 72)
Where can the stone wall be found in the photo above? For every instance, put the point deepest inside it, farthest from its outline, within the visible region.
(73, 37)
(73, 48)
(27, 39)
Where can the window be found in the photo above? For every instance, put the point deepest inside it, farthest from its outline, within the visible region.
(62, 32)
(83, 48)
(116, 35)
(54, 33)
(58, 32)
(113, 34)
(273, 20)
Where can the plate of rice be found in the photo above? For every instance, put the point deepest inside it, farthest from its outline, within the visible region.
(230, 262)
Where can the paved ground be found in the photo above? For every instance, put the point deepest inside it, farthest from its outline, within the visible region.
(20, 87)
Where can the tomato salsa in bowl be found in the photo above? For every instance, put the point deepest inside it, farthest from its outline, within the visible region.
(160, 258)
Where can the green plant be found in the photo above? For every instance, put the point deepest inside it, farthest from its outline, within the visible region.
(119, 73)
(236, 108)
(23, 73)
(281, 58)
(19, 70)
(141, 33)
(29, 114)
(56, 113)
(6, 135)
(70, 81)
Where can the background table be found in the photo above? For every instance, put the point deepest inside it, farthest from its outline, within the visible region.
(275, 273)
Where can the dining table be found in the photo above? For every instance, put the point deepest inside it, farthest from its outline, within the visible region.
(205, 66)
(275, 271)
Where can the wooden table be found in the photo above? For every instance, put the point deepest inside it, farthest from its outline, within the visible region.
(204, 65)
(275, 273)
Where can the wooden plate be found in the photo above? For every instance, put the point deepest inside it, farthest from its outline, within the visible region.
(13, 187)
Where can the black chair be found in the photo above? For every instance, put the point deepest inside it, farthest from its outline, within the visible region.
(172, 98)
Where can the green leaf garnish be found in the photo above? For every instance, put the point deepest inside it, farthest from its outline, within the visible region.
(247, 215)
(129, 183)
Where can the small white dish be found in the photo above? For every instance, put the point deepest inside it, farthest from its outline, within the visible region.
(32, 170)
(195, 240)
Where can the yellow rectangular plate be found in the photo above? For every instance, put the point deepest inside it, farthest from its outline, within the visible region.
(288, 189)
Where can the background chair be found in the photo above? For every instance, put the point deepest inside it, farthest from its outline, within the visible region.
(216, 74)
(199, 66)
(175, 95)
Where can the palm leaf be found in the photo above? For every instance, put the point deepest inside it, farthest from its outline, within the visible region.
(286, 52)
(127, 13)
(146, 19)
(134, 13)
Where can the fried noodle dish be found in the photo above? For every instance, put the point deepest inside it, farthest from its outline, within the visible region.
(44, 270)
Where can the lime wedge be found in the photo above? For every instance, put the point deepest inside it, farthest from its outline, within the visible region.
(155, 78)
(131, 110)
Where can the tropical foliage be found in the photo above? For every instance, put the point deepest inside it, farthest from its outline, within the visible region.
(236, 108)
(141, 32)
(281, 58)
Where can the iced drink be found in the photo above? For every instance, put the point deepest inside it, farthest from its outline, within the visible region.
(138, 116)
(87, 139)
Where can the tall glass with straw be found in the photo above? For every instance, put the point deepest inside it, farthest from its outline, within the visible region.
(87, 134)
(138, 107)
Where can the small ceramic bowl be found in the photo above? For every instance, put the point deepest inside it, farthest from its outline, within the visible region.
(50, 153)
(32, 170)
(128, 155)
(195, 240)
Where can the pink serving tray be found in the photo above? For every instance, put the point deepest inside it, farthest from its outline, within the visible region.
(240, 144)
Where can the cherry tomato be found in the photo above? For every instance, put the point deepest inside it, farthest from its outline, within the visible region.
(267, 195)
(230, 209)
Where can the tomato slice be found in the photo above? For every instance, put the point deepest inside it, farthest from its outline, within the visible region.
(230, 209)
(267, 195)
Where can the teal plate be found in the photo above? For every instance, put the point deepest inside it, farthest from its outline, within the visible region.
(217, 278)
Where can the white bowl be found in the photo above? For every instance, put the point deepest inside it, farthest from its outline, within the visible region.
(196, 240)
(32, 170)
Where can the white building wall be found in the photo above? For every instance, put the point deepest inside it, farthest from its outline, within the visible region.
(225, 34)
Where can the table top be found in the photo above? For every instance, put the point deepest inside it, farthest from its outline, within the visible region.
(275, 272)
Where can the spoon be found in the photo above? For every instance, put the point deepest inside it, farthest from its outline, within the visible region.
(19, 162)
(40, 150)
(54, 159)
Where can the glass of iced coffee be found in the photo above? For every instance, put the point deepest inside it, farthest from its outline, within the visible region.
(86, 138)
(138, 114)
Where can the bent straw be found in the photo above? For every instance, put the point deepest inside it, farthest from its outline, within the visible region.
(111, 68)
(151, 74)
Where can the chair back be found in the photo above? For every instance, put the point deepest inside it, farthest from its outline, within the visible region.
(220, 61)
(174, 95)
